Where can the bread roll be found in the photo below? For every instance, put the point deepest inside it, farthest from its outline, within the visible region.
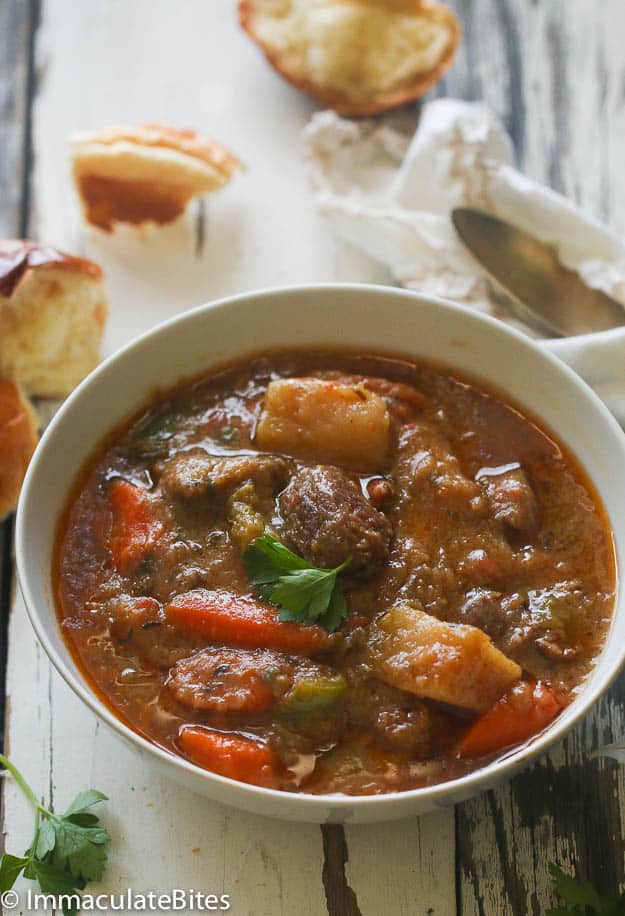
(52, 314)
(147, 173)
(18, 438)
(359, 57)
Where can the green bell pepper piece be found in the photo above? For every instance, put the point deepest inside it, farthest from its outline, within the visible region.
(315, 695)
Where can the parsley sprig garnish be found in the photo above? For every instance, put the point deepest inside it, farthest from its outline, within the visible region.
(67, 850)
(582, 898)
(303, 593)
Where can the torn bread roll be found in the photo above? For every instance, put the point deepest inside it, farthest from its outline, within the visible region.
(147, 173)
(18, 438)
(52, 314)
(359, 57)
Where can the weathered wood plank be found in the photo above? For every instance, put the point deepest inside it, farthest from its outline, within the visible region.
(6, 576)
(261, 230)
(17, 25)
(404, 868)
(546, 66)
(565, 809)
(554, 72)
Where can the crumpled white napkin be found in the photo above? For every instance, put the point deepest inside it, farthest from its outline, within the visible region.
(390, 194)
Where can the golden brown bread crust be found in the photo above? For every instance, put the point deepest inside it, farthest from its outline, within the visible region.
(53, 311)
(146, 173)
(176, 138)
(107, 202)
(380, 101)
(18, 256)
(18, 438)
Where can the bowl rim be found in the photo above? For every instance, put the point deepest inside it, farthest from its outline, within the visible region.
(436, 794)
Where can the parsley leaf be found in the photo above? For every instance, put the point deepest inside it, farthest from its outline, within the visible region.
(302, 592)
(303, 595)
(85, 800)
(10, 867)
(53, 881)
(89, 861)
(85, 819)
(267, 559)
(77, 849)
(47, 839)
(581, 897)
(336, 613)
(67, 850)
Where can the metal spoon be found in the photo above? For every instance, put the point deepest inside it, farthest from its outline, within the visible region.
(541, 291)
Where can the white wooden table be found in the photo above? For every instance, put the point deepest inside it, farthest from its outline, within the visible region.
(555, 70)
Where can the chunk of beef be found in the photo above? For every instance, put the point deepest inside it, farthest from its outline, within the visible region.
(395, 391)
(204, 557)
(327, 519)
(511, 497)
(549, 618)
(429, 469)
(188, 476)
(226, 681)
(558, 604)
(482, 557)
(127, 615)
(195, 475)
(406, 730)
(482, 608)
(446, 539)
(403, 400)
(399, 721)
(430, 584)
(132, 622)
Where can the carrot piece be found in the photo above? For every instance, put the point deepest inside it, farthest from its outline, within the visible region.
(232, 755)
(219, 616)
(135, 530)
(524, 710)
(226, 681)
(245, 692)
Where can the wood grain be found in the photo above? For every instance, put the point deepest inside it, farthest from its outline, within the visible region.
(261, 230)
(554, 71)
(18, 22)
(340, 897)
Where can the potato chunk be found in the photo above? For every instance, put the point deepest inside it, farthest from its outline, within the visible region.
(451, 663)
(325, 421)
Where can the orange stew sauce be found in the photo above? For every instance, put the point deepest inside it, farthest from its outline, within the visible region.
(478, 585)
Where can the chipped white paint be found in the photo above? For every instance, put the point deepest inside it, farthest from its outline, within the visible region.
(405, 868)
(554, 70)
(568, 117)
(107, 62)
(512, 835)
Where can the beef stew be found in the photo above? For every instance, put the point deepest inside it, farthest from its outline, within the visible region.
(332, 572)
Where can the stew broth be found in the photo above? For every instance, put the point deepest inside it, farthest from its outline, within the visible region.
(479, 577)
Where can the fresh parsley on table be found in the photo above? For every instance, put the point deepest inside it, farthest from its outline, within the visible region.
(67, 850)
(581, 898)
(303, 593)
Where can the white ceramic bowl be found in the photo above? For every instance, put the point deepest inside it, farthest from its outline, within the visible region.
(366, 317)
